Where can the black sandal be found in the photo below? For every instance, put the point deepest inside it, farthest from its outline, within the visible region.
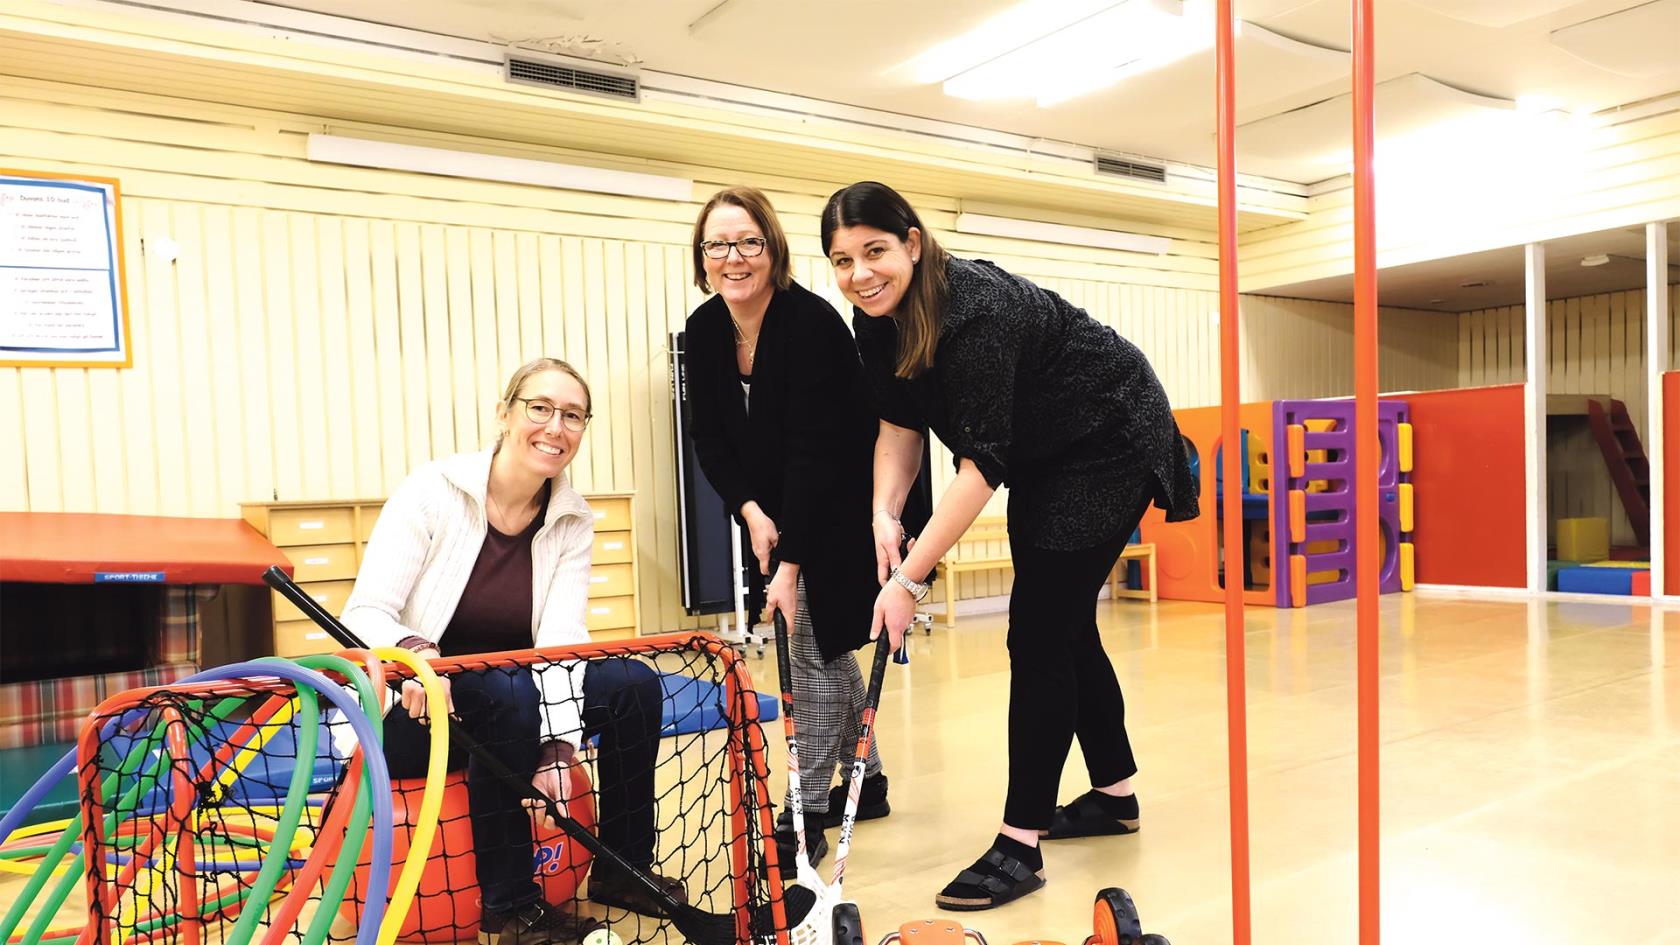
(993, 880)
(1085, 816)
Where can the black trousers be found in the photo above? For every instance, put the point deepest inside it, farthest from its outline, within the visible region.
(503, 709)
(1061, 683)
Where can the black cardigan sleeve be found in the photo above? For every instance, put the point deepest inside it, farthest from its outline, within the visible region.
(710, 378)
(822, 372)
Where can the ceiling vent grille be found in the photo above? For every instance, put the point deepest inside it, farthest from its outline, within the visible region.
(572, 76)
(1115, 166)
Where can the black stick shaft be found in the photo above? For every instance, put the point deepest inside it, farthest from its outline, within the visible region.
(289, 589)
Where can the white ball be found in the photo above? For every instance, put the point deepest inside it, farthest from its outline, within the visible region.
(602, 937)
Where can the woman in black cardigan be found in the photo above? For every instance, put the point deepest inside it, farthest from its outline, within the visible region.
(1029, 391)
(784, 428)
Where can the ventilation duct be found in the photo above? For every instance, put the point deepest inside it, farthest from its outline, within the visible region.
(572, 75)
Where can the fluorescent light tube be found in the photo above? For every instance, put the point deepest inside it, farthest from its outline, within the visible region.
(360, 152)
(983, 225)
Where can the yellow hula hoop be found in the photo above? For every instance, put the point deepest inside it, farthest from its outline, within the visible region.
(242, 758)
(35, 830)
(28, 867)
(431, 799)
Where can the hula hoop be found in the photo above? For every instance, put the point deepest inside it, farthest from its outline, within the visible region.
(348, 842)
(431, 800)
(364, 732)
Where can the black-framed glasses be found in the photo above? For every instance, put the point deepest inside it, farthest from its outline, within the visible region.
(748, 247)
(541, 411)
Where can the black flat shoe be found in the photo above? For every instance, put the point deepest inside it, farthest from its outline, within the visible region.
(619, 891)
(787, 843)
(872, 801)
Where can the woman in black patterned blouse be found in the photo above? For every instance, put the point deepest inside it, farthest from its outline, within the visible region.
(1029, 391)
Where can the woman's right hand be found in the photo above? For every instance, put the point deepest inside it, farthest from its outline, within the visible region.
(414, 695)
(552, 780)
(763, 533)
(889, 534)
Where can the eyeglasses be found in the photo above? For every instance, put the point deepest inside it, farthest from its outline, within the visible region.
(541, 411)
(749, 247)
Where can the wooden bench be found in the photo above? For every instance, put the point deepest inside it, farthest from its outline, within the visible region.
(962, 559)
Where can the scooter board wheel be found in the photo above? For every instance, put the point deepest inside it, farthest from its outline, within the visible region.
(847, 924)
(1153, 939)
(1115, 919)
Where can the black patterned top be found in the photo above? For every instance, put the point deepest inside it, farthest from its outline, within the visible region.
(1043, 398)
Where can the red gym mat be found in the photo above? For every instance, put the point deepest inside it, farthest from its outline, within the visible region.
(80, 548)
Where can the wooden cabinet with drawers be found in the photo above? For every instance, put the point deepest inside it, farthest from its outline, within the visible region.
(614, 610)
(325, 541)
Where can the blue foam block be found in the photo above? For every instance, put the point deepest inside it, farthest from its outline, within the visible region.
(1595, 580)
(696, 705)
(20, 767)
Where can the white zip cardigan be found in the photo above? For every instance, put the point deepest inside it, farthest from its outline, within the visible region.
(422, 551)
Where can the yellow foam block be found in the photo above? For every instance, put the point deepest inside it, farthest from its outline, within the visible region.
(1404, 439)
(1407, 559)
(1583, 539)
(1630, 565)
(1406, 520)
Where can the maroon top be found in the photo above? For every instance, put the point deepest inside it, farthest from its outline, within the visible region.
(494, 613)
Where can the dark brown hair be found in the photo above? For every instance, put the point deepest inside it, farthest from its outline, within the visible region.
(922, 309)
(752, 200)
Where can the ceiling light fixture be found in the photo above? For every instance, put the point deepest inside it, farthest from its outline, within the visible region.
(361, 152)
(981, 224)
(1597, 259)
(1053, 51)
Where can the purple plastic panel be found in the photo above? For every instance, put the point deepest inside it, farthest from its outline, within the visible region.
(1389, 415)
(1330, 514)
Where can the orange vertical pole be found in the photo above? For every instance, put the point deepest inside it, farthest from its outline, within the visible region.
(1230, 398)
(1365, 467)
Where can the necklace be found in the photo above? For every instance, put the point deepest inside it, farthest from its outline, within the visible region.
(742, 341)
(502, 514)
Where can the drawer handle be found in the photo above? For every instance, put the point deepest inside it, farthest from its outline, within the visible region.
(612, 546)
(600, 610)
(315, 636)
(311, 526)
(598, 579)
(320, 598)
(317, 561)
(599, 514)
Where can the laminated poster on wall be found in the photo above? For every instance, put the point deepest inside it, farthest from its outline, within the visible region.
(63, 296)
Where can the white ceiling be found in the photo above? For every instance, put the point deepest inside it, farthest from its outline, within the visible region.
(853, 53)
(1451, 285)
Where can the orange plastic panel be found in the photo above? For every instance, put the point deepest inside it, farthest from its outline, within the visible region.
(1187, 553)
(1468, 515)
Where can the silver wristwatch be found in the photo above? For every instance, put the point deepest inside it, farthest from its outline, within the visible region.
(917, 591)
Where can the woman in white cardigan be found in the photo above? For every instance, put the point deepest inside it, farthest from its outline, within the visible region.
(489, 551)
